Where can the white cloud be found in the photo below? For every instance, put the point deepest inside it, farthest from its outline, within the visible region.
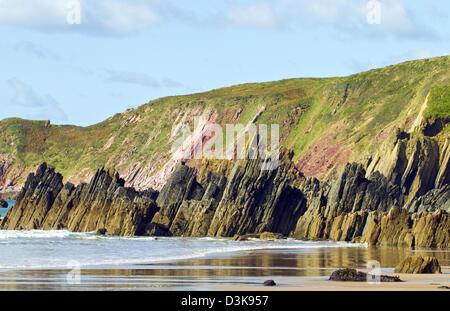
(280, 13)
(109, 17)
(123, 17)
(32, 13)
(33, 105)
(349, 16)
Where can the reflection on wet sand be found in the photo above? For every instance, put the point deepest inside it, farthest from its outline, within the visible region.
(247, 268)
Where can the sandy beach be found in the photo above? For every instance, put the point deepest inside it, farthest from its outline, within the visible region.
(412, 282)
(63, 260)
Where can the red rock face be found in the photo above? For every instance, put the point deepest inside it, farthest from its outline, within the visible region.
(322, 156)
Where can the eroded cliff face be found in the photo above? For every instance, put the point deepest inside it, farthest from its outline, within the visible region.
(399, 198)
(103, 205)
(326, 122)
(246, 200)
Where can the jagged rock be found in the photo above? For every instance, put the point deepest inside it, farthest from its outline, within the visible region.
(256, 200)
(431, 230)
(34, 201)
(418, 264)
(416, 163)
(395, 229)
(181, 205)
(3, 203)
(341, 213)
(443, 175)
(246, 200)
(435, 199)
(102, 205)
(352, 275)
(240, 200)
(400, 228)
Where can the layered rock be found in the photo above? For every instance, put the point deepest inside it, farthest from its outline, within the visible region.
(415, 163)
(245, 200)
(102, 205)
(343, 210)
(225, 199)
(35, 200)
(418, 264)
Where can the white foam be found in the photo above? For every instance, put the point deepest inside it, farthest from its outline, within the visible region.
(61, 234)
(60, 248)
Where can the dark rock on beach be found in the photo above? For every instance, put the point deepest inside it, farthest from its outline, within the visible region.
(352, 275)
(269, 283)
(3, 203)
(348, 275)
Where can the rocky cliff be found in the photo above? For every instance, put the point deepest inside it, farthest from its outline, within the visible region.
(409, 206)
(326, 122)
(364, 158)
(104, 205)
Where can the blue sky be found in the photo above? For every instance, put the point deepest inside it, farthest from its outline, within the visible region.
(127, 52)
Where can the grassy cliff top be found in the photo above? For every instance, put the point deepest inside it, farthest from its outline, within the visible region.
(325, 121)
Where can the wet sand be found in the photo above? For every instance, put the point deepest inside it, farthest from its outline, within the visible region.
(412, 282)
(292, 269)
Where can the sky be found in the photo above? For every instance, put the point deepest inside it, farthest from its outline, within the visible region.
(81, 61)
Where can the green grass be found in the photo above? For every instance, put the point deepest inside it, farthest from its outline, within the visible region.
(376, 100)
(439, 102)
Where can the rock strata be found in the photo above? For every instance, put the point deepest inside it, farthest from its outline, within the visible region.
(418, 264)
(389, 200)
(104, 205)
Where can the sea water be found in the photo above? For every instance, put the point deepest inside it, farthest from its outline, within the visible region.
(4, 210)
(37, 249)
(64, 260)
(46, 260)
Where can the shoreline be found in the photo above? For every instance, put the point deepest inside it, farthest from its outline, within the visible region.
(218, 264)
(411, 282)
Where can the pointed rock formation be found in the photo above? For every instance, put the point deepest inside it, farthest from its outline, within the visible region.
(223, 198)
(103, 204)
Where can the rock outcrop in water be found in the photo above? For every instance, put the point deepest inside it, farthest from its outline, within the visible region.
(102, 205)
(409, 206)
